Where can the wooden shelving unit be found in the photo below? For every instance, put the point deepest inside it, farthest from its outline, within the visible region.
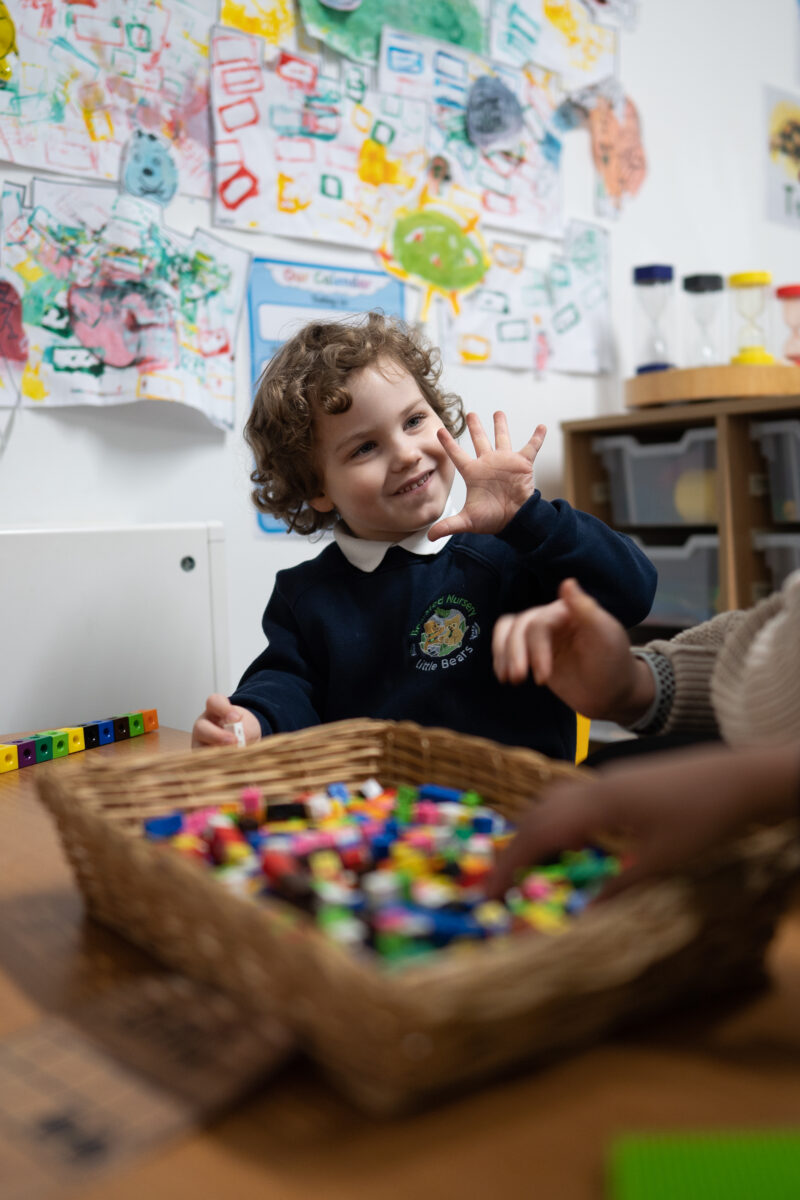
(741, 479)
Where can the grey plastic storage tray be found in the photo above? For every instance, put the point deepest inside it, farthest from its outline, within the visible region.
(780, 445)
(662, 483)
(782, 552)
(688, 581)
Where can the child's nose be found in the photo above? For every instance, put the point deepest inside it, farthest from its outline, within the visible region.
(405, 452)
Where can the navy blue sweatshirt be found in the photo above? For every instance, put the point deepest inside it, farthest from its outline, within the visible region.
(412, 640)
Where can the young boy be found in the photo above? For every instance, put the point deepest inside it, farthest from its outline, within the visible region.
(350, 428)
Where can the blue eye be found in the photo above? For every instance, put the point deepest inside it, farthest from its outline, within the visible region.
(415, 421)
(363, 449)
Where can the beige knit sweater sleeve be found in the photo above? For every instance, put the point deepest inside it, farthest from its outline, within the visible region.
(740, 672)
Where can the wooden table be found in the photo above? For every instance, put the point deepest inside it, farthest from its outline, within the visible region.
(540, 1133)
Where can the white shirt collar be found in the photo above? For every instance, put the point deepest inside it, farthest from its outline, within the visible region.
(368, 555)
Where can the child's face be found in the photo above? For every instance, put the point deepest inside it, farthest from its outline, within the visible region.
(383, 468)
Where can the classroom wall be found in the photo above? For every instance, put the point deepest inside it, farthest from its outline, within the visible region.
(695, 69)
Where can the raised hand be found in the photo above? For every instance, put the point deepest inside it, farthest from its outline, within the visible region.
(499, 479)
(579, 651)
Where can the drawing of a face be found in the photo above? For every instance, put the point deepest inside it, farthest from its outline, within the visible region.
(148, 170)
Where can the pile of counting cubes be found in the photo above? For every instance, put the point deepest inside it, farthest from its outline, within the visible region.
(56, 743)
(399, 871)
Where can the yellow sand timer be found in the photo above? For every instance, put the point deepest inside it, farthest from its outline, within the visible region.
(789, 296)
(751, 295)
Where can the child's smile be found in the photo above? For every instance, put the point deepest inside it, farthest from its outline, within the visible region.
(382, 465)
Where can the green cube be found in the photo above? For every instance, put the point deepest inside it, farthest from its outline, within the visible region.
(44, 747)
(60, 741)
(136, 723)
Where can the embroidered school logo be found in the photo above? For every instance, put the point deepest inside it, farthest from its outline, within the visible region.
(443, 632)
(441, 638)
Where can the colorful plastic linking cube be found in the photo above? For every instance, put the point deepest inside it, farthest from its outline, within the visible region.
(56, 743)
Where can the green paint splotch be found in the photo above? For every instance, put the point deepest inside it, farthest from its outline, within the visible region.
(357, 34)
(432, 247)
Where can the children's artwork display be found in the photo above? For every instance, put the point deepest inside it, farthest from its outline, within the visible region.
(557, 319)
(81, 80)
(580, 320)
(307, 155)
(505, 322)
(783, 157)
(109, 305)
(558, 35)
(282, 296)
(493, 141)
(355, 30)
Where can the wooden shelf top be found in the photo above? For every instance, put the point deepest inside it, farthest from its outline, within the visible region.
(686, 416)
(711, 383)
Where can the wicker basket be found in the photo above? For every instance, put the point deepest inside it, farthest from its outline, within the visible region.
(391, 1036)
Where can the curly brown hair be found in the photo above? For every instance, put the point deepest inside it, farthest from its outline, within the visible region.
(309, 374)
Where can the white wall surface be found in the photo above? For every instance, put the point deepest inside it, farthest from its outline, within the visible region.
(694, 68)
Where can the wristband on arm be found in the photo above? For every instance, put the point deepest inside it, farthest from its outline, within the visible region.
(654, 720)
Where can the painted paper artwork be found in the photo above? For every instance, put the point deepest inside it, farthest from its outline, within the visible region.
(83, 80)
(557, 34)
(307, 155)
(580, 320)
(283, 296)
(356, 33)
(617, 150)
(492, 131)
(614, 14)
(438, 248)
(782, 156)
(504, 322)
(273, 20)
(109, 305)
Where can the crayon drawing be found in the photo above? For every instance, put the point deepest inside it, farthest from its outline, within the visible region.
(114, 305)
(283, 296)
(493, 140)
(82, 79)
(306, 155)
(580, 321)
(356, 34)
(505, 321)
(557, 34)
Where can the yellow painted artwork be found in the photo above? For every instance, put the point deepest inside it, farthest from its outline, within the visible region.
(272, 20)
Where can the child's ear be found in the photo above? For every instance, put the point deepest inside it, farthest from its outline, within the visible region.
(322, 504)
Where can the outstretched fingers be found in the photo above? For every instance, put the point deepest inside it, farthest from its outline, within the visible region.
(458, 457)
(534, 442)
(502, 438)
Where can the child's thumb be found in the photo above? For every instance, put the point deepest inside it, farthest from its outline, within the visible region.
(579, 602)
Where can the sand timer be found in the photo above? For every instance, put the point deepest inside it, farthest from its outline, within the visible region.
(654, 318)
(704, 299)
(750, 291)
(789, 296)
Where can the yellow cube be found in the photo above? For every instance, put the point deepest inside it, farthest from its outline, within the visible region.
(74, 738)
(9, 758)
